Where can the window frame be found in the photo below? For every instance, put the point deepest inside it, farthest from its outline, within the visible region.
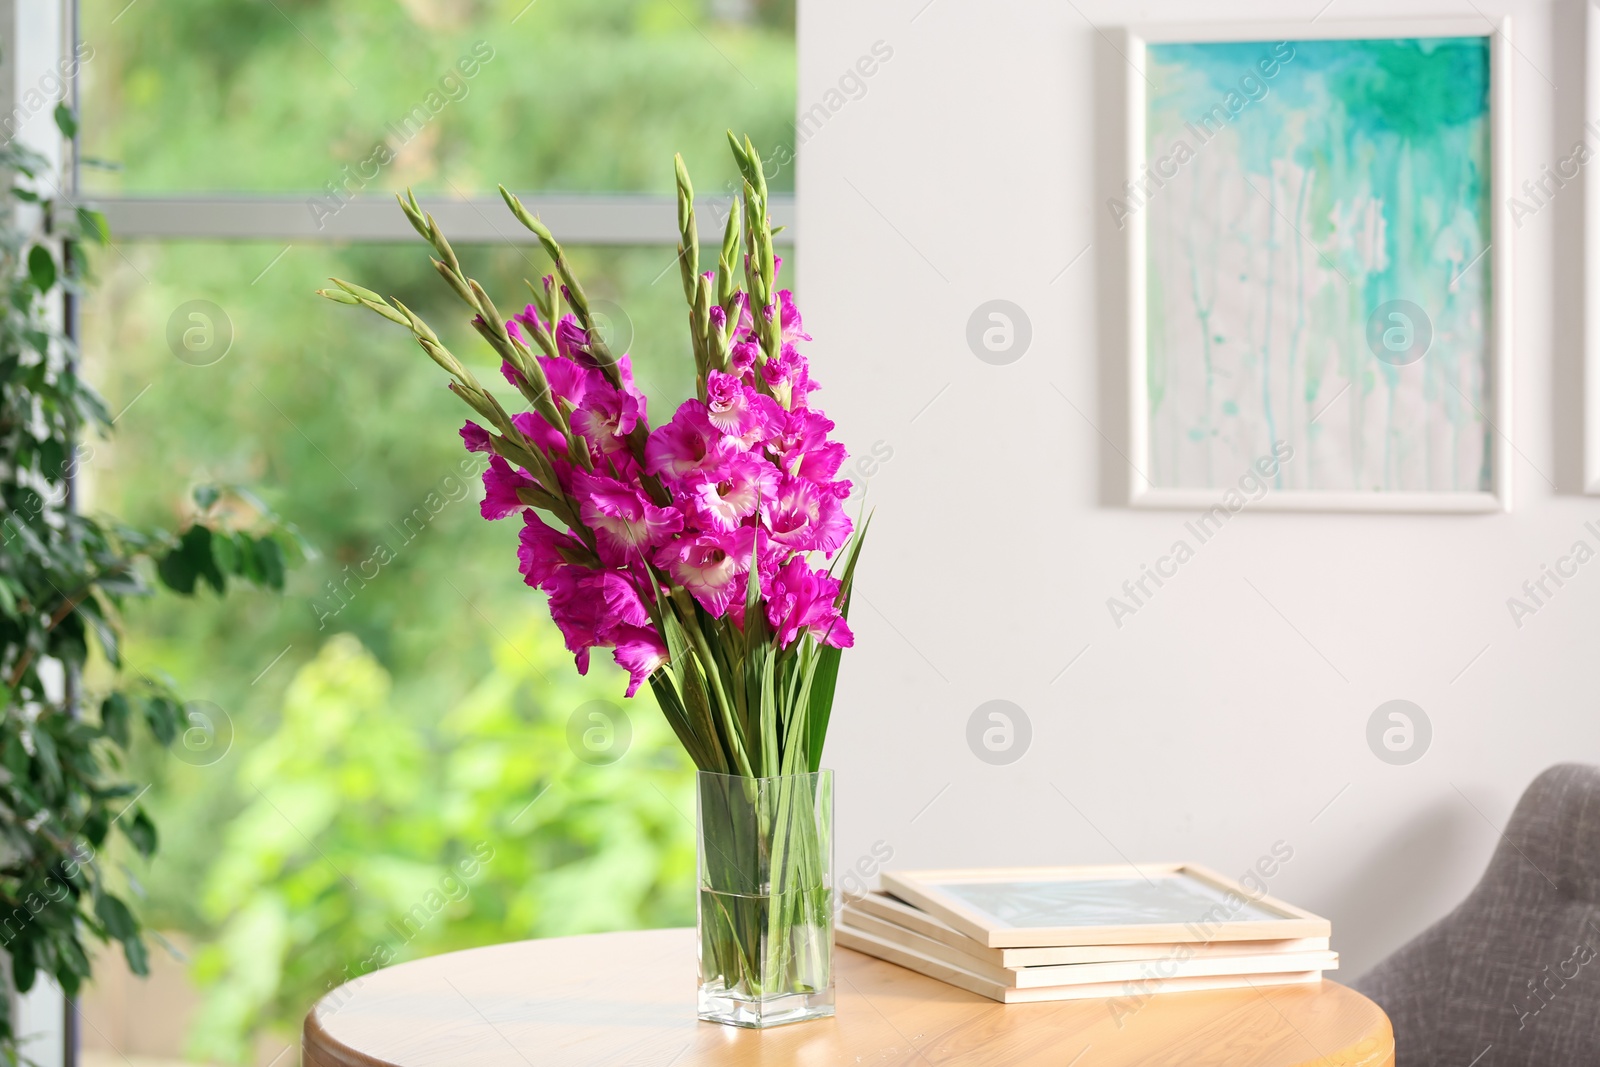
(575, 218)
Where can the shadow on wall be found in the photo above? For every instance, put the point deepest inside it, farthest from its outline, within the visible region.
(1382, 904)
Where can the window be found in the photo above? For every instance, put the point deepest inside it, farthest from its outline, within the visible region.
(404, 708)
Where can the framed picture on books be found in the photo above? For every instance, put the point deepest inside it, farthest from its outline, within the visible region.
(1036, 907)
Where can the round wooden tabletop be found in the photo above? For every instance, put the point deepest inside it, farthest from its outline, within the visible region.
(629, 999)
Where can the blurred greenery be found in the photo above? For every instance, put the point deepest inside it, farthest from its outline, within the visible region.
(407, 698)
(579, 95)
(483, 828)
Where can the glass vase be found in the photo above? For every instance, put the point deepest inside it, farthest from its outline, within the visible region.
(765, 914)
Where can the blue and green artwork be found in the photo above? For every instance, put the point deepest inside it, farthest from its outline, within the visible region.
(1318, 222)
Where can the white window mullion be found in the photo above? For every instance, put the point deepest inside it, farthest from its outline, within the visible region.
(577, 219)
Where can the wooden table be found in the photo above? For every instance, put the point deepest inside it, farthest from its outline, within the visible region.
(628, 999)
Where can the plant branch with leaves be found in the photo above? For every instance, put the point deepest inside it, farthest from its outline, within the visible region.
(64, 578)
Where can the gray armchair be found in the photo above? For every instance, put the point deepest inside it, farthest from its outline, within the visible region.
(1512, 975)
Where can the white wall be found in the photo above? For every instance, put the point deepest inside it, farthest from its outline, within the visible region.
(976, 166)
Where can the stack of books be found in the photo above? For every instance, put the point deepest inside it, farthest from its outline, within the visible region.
(1070, 933)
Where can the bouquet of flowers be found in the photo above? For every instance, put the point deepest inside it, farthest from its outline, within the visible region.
(711, 553)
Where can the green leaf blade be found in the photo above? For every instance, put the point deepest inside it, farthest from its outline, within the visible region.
(41, 268)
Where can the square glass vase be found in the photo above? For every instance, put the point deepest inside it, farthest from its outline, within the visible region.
(765, 910)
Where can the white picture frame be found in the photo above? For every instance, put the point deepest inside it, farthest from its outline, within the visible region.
(1498, 496)
(1200, 905)
(882, 908)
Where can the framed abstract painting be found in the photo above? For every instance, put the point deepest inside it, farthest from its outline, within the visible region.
(1319, 266)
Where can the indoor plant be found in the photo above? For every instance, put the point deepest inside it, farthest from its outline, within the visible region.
(656, 534)
(65, 576)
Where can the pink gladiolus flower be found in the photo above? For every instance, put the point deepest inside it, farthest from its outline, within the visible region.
(528, 317)
(567, 379)
(475, 437)
(606, 417)
(594, 608)
(742, 357)
(625, 375)
(723, 495)
(572, 341)
(739, 411)
(802, 600)
(624, 521)
(624, 606)
(682, 445)
(540, 432)
(710, 565)
(539, 550)
(500, 485)
(639, 652)
(803, 449)
(789, 377)
(807, 517)
(793, 328)
(726, 403)
(579, 610)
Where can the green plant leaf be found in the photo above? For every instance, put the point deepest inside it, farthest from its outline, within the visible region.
(225, 554)
(72, 968)
(205, 496)
(269, 559)
(47, 760)
(66, 121)
(244, 546)
(164, 717)
(15, 756)
(177, 572)
(140, 831)
(672, 710)
(826, 676)
(191, 561)
(115, 917)
(23, 964)
(96, 826)
(137, 956)
(52, 459)
(115, 713)
(93, 225)
(41, 268)
(105, 631)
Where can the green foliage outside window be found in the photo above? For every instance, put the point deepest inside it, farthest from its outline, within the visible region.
(484, 827)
